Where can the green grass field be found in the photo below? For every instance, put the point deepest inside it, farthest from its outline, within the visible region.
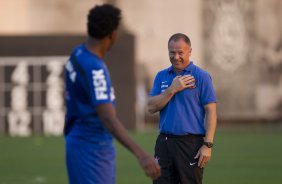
(246, 155)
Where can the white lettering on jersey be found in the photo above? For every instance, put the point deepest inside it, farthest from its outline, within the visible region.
(100, 84)
(113, 97)
(70, 69)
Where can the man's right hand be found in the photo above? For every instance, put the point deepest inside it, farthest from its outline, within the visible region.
(182, 82)
(150, 167)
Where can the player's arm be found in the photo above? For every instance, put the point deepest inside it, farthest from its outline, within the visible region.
(156, 103)
(108, 116)
(211, 121)
(204, 153)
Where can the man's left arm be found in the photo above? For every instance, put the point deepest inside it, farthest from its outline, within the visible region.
(211, 120)
(204, 153)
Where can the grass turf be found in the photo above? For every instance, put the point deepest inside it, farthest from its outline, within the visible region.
(246, 155)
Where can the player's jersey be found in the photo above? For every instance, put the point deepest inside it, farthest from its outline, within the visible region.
(88, 84)
(185, 112)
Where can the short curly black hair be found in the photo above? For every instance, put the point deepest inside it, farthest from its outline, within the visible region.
(103, 20)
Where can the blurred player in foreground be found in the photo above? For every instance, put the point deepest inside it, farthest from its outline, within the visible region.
(91, 120)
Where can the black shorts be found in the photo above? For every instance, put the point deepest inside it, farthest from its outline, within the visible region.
(175, 154)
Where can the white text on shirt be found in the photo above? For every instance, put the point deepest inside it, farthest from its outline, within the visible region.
(100, 84)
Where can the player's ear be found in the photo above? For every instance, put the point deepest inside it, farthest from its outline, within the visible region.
(113, 36)
(190, 51)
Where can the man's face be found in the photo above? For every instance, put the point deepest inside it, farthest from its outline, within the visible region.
(179, 54)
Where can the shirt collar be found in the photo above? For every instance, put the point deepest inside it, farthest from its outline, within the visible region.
(188, 68)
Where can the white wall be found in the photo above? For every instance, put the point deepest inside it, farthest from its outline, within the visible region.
(44, 16)
(151, 21)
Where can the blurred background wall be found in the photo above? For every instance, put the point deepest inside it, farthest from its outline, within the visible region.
(243, 52)
(238, 41)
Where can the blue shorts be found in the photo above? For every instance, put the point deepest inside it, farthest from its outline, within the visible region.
(90, 164)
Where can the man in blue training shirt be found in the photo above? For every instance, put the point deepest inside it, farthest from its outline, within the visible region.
(91, 119)
(185, 98)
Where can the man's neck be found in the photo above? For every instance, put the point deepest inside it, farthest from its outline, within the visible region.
(96, 46)
(176, 70)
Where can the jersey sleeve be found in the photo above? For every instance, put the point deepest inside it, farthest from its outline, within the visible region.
(207, 93)
(156, 89)
(100, 85)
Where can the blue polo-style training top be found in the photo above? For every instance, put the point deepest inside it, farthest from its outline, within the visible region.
(88, 84)
(184, 113)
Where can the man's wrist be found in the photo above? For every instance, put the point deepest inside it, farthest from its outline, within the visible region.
(208, 144)
(172, 90)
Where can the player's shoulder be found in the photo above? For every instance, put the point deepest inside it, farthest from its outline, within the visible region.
(163, 71)
(87, 60)
(201, 72)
